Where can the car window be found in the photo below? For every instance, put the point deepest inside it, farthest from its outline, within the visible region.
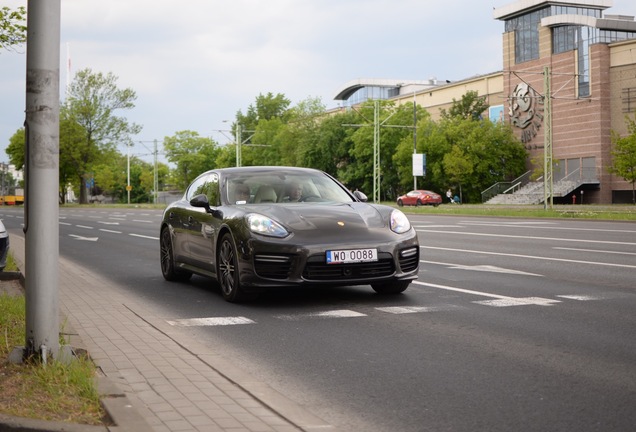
(284, 187)
(208, 185)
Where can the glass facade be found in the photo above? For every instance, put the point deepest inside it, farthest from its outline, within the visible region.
(371, 93)
(564, 38)
(526, 29)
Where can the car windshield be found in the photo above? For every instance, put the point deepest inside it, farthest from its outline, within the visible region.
(282, 187)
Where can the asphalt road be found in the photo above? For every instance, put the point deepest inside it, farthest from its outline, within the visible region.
(513, 324)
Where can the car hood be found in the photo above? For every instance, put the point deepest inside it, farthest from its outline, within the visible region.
(302, 217)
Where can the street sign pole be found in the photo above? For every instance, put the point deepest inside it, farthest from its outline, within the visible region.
(42, 179)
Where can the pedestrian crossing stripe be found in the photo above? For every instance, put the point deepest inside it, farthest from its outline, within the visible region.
(395, 310)
(214, 321)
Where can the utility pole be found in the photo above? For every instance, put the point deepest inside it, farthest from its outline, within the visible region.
(238, 145)
(128, 186)
(155, 185)
(41, 227)
(414, 136)
(376, 151)
(547, 141)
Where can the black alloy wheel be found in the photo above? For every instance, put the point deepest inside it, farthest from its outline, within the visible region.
(167, 259)
(228, 270)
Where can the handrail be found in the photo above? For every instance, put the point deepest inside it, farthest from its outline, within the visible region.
(504, 187)
(512, 187)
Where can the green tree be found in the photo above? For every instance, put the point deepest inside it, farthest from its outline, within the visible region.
(403, 157)
(91, 103)
(624, 155)
(266, 107)
(459, 168)
(192, 154)
(300, 132)
(13, 28)
(470, 107)
(15, 149)
(396, 124)
(330, 148)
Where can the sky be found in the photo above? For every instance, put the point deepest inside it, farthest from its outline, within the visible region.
(195, 64)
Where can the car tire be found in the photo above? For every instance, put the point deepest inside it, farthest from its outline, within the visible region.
(418, 203)
(396, 287)
(400, 203)
(228, 271)
(167, 259)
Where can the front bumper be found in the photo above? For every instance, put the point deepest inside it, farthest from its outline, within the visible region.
(270, 264)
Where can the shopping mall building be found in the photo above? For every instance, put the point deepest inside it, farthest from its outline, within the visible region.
(583, 57)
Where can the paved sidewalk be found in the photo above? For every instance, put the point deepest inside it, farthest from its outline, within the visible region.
(157, 380)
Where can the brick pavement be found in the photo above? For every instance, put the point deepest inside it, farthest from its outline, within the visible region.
(170, 383)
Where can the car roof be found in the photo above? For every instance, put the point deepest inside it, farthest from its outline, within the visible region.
(265, 170)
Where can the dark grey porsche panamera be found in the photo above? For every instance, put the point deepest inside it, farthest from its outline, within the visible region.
(251, 228)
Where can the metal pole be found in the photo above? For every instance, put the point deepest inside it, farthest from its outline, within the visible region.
(547, 141)
(239, 139)
(128, 171)
(414, 137)
(156, 179)
(376, 152)
(42, 178)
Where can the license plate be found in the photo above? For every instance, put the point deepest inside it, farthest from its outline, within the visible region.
(351, 256)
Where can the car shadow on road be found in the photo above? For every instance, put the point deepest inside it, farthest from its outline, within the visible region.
(309, 297)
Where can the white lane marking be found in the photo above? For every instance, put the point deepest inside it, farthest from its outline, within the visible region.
(462, 290)
(213, 321)
(595, 250)
(84, 226)
(142, 221)
(397, 310)
(65, 223)
(531, 257)
(530, 237)
(522, 225)
(581, 297)
(110, 231)
(342, 313)
(482, 268)
(503, 223)
(84, 238)
(437, 226)
(518, 302)
(501, 300)
(108, 223)
(144, 236)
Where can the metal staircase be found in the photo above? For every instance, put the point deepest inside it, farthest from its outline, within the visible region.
(521, 193)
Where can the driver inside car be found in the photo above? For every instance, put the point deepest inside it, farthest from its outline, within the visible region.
(294, 192)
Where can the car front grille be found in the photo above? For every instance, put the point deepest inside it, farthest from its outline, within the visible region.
(409, 259)
(273, 266)
(318, 270)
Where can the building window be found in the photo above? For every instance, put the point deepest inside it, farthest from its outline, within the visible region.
(628, 97)
(371, 93)
(564, 39)
(526, 29)
(583, 51)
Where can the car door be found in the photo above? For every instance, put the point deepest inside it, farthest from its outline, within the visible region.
(203, 227)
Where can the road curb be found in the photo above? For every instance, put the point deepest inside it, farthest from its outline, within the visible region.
(115, 402)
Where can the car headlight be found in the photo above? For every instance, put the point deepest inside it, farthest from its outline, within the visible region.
(399, 222)
(263, 225)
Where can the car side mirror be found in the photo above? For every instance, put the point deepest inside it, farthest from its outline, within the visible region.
(201, 201)
(360, 196)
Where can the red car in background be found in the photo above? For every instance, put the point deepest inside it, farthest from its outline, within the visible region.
(420, 197)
